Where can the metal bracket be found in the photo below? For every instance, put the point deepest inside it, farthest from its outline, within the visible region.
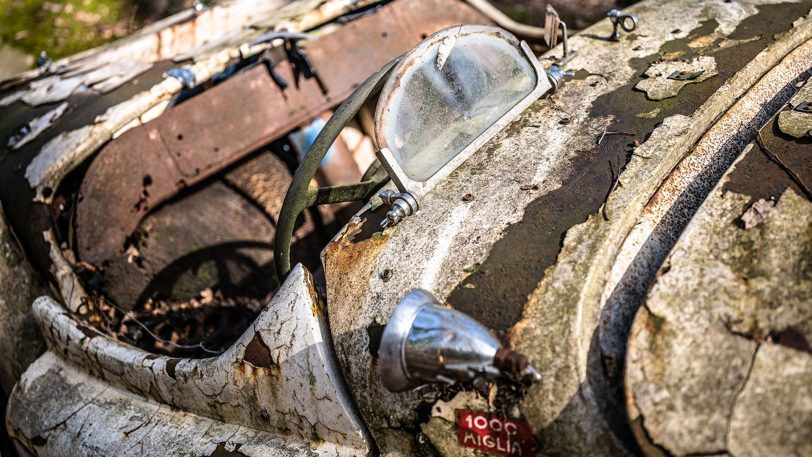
(402, 204)
(626, 21)
(294, 54)
(552, 25)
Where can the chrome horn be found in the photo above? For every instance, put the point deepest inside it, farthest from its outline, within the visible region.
(425, 342)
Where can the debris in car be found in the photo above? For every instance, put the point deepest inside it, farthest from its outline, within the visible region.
(199, 327)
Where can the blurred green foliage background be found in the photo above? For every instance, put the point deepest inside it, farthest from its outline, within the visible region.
(63, 27)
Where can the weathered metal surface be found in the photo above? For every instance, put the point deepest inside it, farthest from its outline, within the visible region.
(665, 79)
(64, 153)
(536, 181)
(279, 378)
(115, 63)
(32, 218)
(792, 121)
(20, 341)
(124, 423)
(180, 250)
(212, 130)
(565, 329)
(669, 210)
(737, 300)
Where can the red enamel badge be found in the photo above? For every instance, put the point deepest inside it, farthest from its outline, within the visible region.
(488, 432)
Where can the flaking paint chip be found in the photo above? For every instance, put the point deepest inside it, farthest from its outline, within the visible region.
(659, 85)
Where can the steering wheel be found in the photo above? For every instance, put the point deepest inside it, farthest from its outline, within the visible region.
(301, 195)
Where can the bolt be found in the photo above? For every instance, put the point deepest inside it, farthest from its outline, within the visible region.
(386, 275)
(264, 415)
(467, 198)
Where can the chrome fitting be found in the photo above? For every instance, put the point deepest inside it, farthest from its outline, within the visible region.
(626, 21)
(424, 342)
(556, 76)
(402, 204)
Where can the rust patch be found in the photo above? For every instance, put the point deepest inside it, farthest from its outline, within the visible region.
(257, 353)
(758, 176)
(347, 253)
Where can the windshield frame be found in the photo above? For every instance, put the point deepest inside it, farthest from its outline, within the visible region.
(420, 188)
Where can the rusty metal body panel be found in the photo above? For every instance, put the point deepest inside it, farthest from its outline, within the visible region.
(746, 251)
(30, 177)
(550, 235)
(200, 137)
(285, 392)
(532, 251)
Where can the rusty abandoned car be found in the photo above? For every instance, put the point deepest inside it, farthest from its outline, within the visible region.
(413, 227)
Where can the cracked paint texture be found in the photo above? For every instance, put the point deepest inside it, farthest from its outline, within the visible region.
(795, 123)
(561, 319)
(87, 416)
(279, 377)
(719, 357)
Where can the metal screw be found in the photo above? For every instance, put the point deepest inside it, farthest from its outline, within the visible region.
(386, 275)
(467, 198)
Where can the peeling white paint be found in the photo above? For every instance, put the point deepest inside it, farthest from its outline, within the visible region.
(86, 417)
(282, 365)
(51, 89)
(41, 123)
(62, 154)
(659, 85)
